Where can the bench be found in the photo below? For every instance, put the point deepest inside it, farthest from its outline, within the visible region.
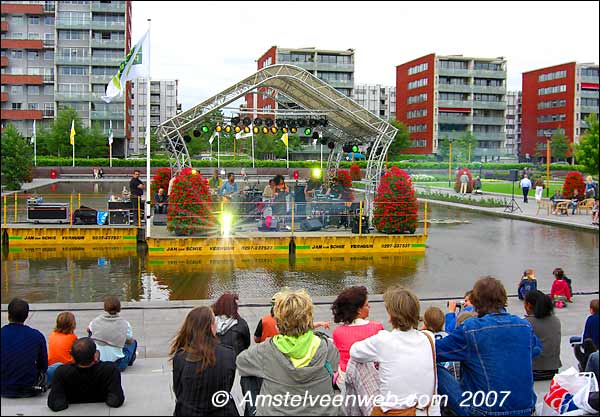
(586, 205)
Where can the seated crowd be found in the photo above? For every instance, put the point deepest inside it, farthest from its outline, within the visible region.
(478, 346)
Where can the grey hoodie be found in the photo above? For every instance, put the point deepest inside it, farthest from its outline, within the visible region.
(279, 376)
(224, 323)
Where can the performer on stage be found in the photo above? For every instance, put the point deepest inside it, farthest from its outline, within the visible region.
(280, 197)
(215, 183)
(229, 190)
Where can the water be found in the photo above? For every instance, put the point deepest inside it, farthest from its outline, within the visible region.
(456, 255)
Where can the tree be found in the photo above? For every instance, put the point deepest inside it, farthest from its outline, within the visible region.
(465, 146)
(559, 144)
(17, 158)
(401, 140)
(586, 152)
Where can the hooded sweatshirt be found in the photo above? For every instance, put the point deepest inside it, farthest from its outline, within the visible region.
(233, 332)
(282, 378)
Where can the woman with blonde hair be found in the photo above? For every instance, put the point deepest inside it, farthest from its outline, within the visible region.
(202, 367)
(297, 361)
(60, 341)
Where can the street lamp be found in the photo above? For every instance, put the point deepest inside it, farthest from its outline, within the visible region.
(548, 157)
(450, 140)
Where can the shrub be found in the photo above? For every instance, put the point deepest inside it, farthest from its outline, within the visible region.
(395, 203)
(189, 204)
(346, 180)
(457, 182)
(355, 172)
(573, 180)
(160, 180)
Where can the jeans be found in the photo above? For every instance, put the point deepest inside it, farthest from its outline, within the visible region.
(130, 354)
(160, 209)
(50, 372)
(525, 193)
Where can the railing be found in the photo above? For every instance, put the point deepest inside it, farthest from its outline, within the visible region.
(489, 120)
(106, 60)
(72, 60)
(63, 23)
(454, 88)
(108, 7)
(455, 119)
(455, 103)
(488, 73)
(98, 97)
(108, 43)
(490, 135)
(71, 96)
(48, 112)
(101, 79)
(494, 105)
(488, 89)
(106, 115)
(107, 25)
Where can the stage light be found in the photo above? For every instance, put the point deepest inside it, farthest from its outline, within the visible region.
(315, 135)
(235, 120)
(323, 121)
(347, 148)
(194, 172)
(255, 129)
(313, 122)
(218, 128)
(205, 129)
(196, 133)
(296, 175)
(269, 122)
(281, 123)
(301, 122)
(294, 130)
(354, 148)
(246, 129)
(307, 131)
(284, 129)
(265, 130)
(291, 123)
(273, 130)
(331, 145)
(228, 129)
(258, 121)
(187, 138)
(247, 121)
(237, 129)
(226, 222)
(316, 173)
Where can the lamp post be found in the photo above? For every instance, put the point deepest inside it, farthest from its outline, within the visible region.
(450, 140)
(548, 157)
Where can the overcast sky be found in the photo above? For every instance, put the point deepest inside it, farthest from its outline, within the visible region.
(208, 46)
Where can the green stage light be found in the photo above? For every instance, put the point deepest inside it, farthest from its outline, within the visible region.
(307, 131)
(205, 129)
(354, 148)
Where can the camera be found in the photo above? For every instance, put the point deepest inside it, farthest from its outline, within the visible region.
(459, 305)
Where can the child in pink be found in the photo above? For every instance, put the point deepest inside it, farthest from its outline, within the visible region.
(560, 291)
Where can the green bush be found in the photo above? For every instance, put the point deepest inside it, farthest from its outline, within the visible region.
(477, 201)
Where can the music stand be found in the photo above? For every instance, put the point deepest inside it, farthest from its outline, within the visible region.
(512, 205)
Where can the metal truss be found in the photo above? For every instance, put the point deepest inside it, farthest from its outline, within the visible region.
(347, 120)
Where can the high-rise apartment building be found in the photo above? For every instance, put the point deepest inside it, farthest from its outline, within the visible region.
(379, 100)
(557, 97)
(164, 105)
(513, 122)
(336, 68)
(445, 96)
(63, 53)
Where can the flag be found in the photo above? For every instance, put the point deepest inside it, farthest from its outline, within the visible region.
(242, 135)
(33, 136)
(72, 136)
(134, 65)
(284, 139)
(212, 137)
(110, 134)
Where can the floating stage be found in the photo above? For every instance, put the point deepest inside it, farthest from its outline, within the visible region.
(245, 243)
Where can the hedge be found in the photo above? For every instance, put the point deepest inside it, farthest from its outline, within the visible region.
(163, 162)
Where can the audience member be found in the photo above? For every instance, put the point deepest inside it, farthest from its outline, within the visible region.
(593, 366)
(87, 380)
(455, 309)
(527, 283)
(462, 317)
(113, 335)
(595, 212)
(201, 367)
(267, 326)
(161, 201)
(60, 341)
(24, 358)
(433, 320)
(539, 190)
(298, 361)
(403, 351)
(576, 198)
(486, 364)
(584, 345)
(351, 308)
(554, 200)
(546, 326)
(591, 188)
(560, 291)
(525, 185)
(232, 330)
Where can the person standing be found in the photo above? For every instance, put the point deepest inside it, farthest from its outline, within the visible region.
(88, 380)
(464, 182)
(525, 185)
(136, 190)
(24, 357)
(539, 190)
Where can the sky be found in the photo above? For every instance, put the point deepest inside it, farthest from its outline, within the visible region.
(209, 46)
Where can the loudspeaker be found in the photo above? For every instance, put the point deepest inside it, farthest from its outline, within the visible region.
(159, 220)
(85, 215)
(311, 225)
(119, 217)
(513, 175)
(356, 224)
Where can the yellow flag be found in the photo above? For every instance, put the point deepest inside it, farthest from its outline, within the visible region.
(72, 136)
(284, 139)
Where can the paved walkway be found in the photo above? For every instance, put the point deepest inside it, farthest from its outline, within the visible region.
(148, 384)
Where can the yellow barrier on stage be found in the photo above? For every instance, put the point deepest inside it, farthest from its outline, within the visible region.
(73, 252)
(218, 246)
(22, 237)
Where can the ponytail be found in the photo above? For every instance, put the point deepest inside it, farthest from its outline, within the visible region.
(542, 303)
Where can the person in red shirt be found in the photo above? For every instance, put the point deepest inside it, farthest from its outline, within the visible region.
(560, 291)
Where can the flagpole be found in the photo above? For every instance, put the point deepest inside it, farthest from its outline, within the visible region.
(218, 150)
(287, 152)
(110, 141)
(73, 152)
(34, 146)
(148, 188)
(252, 146)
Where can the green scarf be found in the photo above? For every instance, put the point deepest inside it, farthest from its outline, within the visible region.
(300, 349)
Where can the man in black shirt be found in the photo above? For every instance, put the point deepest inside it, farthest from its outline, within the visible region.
(87, 380)
(136, 188)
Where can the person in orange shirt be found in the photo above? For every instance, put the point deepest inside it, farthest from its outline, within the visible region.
(60, 341)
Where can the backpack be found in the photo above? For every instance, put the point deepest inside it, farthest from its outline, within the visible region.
(526, 286)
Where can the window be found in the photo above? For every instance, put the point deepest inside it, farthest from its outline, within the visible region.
(419, 143)
(552, 90)
(418, 68)
(17, 35)
(488, 66)
(416, 113)
(17, 20)
(16, 90)
(33, 90)
(589, 72)
(558, 117)
(73, 70)
(17, 53)
(417, 128)
(487, 97)
(488, 82)
(71, 35)
(48, 20)
(552, 75)
(34, 106)
(17, 106)
(33, 55)
(590, 102)
(463, 65)
(419, 98)
(49, 55)
(33, 36)
(417, 83)
(34, 20)
(454, 96)
(48, 90)
(551, 104)
(453, 81)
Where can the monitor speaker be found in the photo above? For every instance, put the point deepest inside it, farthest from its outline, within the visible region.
(513, 175)
(311, 225)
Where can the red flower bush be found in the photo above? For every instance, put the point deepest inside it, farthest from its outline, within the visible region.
(457, 182)
(189, 204)
(346, 180)
(395, 203)
(355, 172)
(573, 180)
(161, 180)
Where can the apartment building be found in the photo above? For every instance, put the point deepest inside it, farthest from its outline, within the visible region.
(557, 97)
(379, 100)
(445, 96)
(336, 68)
(63, 53)
(164, 105)
(513, 122)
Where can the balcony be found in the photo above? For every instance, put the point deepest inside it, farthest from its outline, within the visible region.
(101, 79)
(106, 61)
(71, 96)
(107, 115)
(22, 44)
(98, 97)
(3, 97)
(108, 43)
(453, 72)
(340, 83)
(48, 78)
(62, 23)
(21, 9)
(72, 60)
(14, 79)
(309, 66)
(490, 135)
(49, 7)
(21, 114)
(489, 121)
(488, 89)
(462, 104)
(48, 112)
(589, 109)
(113, 7)
(584, 79)
(455, 120)
(454, 88)
(489, 74)
(590, 94)
(48, 43)
(454, 134)
(4, 26)
(492, 105)
(3, 61)
(322, 66)
(99, 25)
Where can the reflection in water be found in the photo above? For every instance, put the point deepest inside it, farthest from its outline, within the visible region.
(456, 255)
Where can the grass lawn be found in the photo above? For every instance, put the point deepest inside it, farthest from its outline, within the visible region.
(496, 187)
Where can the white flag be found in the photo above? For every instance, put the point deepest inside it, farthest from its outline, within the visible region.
(110, 134)
(243, 135)
(212, 137)
(33, 136)
(134, 65)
